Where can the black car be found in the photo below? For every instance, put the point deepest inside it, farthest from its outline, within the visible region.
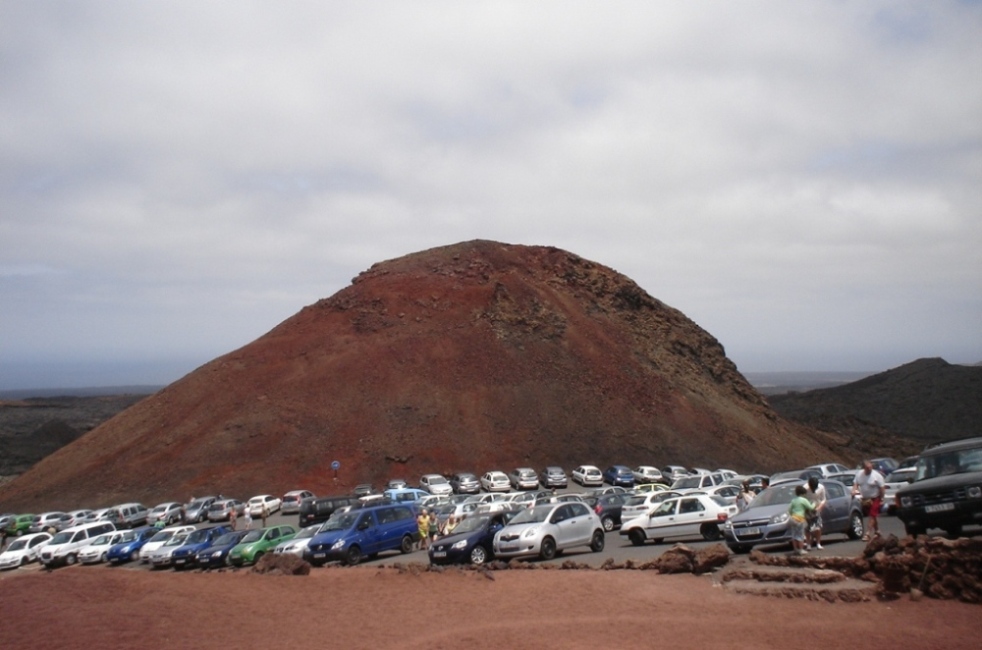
(186, 555)
(216, 555)
(947, 489)
(316, 511)
(471, 541)
(608, 507)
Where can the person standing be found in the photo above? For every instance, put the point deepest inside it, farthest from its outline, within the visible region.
(745, 497)
(798, 510)
(815, 494)
(231, 518)
(434, 526)
(423, 527)
(265, 514)
(248, 518)
(869, 486)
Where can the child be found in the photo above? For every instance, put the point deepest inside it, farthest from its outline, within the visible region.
(800, 505)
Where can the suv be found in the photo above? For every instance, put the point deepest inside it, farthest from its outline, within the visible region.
(64, 547)
(316, 511)
(947, 489)
(358, 533)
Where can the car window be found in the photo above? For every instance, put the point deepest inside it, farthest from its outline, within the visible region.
(666, 508)
(691, 505)
(834, 491)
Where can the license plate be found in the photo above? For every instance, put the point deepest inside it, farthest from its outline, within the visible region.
(939, 507)
(508, 547)
(318, 556)
(179, 561)
(439, 554)
(749, 531)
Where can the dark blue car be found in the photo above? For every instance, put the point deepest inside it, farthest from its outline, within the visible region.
(471, 541)
(619, 475)
(128, 548)
(186, 554)
(216, 555)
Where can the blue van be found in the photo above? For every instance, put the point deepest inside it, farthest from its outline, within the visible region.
(368, 531)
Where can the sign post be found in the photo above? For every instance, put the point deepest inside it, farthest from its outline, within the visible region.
(336, 465)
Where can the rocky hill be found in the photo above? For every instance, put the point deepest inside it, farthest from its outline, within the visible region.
(475, 356)
(905, 408)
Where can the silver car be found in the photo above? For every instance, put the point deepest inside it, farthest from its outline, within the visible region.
(544, 530)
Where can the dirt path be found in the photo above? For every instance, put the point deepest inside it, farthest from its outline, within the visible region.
(373, 607)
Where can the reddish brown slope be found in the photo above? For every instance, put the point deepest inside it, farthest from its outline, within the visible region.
(474, 356)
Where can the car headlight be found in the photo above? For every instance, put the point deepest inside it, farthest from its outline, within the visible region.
(338, 545)
(459, 545)
(727, 525)
(974, 492)
(781, 518)
(530, 532)
(906, 502)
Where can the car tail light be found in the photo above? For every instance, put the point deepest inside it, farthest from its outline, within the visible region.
(722, 516)
(597, 509)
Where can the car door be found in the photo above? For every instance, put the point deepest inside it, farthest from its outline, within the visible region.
(661, 521)
(835, 514)
(692, 514)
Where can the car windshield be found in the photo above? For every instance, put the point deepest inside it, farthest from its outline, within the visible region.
(226, 539)
(176, 540)
(101, 540)
(636, 501)
(197, 503)
(532, 515)
(344, 522)
(304, 533)
(437, 480)
(901, 475)
(61, 538)
(780, 494)
(471, 524)
(198, 536)
(128, 536)
(17, 545)
(252, 536)
(162, 536)
(952, 462)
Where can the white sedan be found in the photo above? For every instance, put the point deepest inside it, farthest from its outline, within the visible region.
(23, 550)
(256, 504)
(161, 538)
(495, 481)
(588, 475)
(695, 515)
(647, 474)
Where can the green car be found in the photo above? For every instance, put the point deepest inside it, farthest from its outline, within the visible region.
(19, 525)
(257, 543)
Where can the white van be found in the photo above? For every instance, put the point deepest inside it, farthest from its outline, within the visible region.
(64, 546)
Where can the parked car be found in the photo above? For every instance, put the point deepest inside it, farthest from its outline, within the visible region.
(672, 473)
(846, 478)
(186, 555)
(545, 530)
(297, 545)
(97, 550)
(320, 509)
(727, 493)
(523, 478)
(23, 550)
(20, 525)
(606, 489)
(161, 538)
(221, 509)
(259, 542)
(396, 484)
(405, 495)
(435, 484)
(290, 503)
(355, 534)
(49, 521)
(647, 474)
(883, 465)
(495, 481)
(897, 479)
(642, 504)
(828, 469)
(169, 513)
(794, 475)
(128, 548)
(765, 521)
(646, 488)
(620, 475)
(163, 556)
(472, 541)
(588, 475)
(363, 490)
(465, 483)
(553, 477)
(947, 490)
(217, 555)
(196, 510)
(268, 501)
(128, 515)
(77, 517)
(608, 508)
(689, 515)
(64, 546)
(697, 482)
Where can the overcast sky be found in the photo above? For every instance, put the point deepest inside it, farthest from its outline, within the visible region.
(803, 180)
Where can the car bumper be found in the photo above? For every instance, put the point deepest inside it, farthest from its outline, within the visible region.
(10, 563)
(757, 533)
(944, 515)
(450, 556)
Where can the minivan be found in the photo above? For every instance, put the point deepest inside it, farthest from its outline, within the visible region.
(316, 511)
(369, 531)
(128, 515)
(64, 546)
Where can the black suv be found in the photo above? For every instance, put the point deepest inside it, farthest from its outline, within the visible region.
(316, 511)
(947, 489)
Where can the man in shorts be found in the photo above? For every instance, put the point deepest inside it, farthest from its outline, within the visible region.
(869, 486)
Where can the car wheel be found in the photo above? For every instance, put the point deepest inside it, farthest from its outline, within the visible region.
(24, 561)
(257, 556)
(636, 536)
(478, 555)
(407, 544)
(70, 559)
(547, 550)
(608, 523)
(353, 556)
(710, 532)
(856, 527)
(134, 556)
(597, 543)
(103, 558)
(18, 533)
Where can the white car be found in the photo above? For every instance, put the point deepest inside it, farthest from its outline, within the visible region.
(23, 550)
(828, 469)
(697, 482)
(291, 500)
(725, 492)
(297, 545)
(588, 475)
(643, 504)
(161, 538)
(647, 474)
(897, 479)
(495, 481)
(64, 546)
(435, 484)
(256, 504)
(170, 512)
(96, 551)
(690, 515)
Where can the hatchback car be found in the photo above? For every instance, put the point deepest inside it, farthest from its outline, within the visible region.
(217, 555)
(291, 501)
(128, 548)
(465, 483)
(545, 530)
(619, 475)
(588, 475)
(159, 539)
(642, 504)
(186, 555)
(553, 477)
(689, 515)
(259, 542)
(495, 481)
(297, 545)
(169, 513)
(435, 484)
(222, 509)
(23, 550)
(267, 501)
(472, 541)
(20, 525)
(196, 510)
(608, 507)
(523, 478)
(647, 474)
(48, 521)
(766, 521)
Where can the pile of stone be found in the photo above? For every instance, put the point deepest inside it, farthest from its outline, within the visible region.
(949, 569)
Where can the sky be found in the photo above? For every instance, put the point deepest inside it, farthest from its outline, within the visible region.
(803, 180)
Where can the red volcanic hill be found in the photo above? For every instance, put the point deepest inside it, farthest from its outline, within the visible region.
(475, 356)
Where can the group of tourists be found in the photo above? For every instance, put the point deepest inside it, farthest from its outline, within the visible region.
(430, 527)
